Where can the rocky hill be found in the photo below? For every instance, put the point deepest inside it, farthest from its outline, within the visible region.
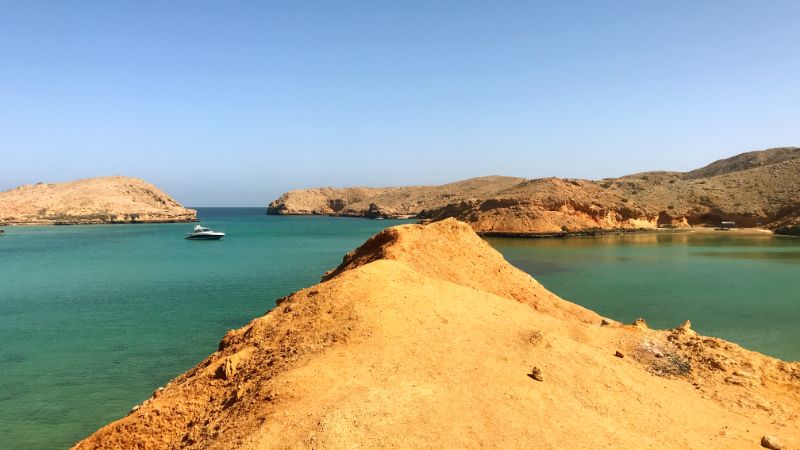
(752, 189)
(386, 202)
(424, 337)
(90, 201)
(745, 161)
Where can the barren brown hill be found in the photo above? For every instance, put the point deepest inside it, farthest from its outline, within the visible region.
(91, 200)
(425, 337)
(767, 196)
(745, 161)
(391, 201)
(752, 189)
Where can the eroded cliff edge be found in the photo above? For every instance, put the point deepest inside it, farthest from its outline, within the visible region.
(754, 189)
(91, 201)
(425, 337)
(384, 202)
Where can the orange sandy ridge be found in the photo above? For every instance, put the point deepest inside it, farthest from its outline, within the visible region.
(425, 337)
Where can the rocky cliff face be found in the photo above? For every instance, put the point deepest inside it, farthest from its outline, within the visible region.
(424, 337)
(92, 200)
(384, 202)
(752, 189)
(766, 196)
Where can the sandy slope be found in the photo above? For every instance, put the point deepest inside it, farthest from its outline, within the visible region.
(425, 338)
(92, 200)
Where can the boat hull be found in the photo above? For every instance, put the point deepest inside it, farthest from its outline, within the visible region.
(205, 237)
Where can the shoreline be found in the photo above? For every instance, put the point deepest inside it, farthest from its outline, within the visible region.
(111, 222)
(610, 232)
(558, 234)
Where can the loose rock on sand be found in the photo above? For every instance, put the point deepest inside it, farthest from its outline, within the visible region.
(536, 374)
(772, 443)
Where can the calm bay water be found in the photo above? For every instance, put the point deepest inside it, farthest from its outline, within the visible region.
(745, 289)
(94, 318)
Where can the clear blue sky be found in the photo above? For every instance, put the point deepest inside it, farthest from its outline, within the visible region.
(231, 103)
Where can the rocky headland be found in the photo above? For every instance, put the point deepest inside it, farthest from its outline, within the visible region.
(755, 189)
(91, 201)
(425, 337)
(385, 202)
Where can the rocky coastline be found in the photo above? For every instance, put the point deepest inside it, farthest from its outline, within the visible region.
(425, 336)
(91, 201)
(754, 190)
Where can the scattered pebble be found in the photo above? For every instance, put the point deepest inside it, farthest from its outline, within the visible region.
(536, 374)
(619, 354)
(772, 443)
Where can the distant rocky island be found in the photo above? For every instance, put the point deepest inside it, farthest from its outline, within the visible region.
(754, 189)
(425, 337)
(91, 201)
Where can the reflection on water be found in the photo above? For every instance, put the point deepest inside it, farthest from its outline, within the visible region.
(744, 288)
(787, 256)
(653, 238)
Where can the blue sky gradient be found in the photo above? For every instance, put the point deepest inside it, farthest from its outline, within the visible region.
(231, 103)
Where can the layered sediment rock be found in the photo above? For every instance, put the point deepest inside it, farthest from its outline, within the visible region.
(91, 201)
(424, 337)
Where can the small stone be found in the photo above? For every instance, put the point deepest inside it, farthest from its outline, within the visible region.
(640, 324)
(227, 369)
(619, 354)
(772, 443)
(686, 328)
(536, 374)
(605, 323)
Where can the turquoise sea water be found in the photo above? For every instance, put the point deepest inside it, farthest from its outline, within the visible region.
(94, 318)
(742, 288)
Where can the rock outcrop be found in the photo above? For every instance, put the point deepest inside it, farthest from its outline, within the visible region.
(424, 337)
(756, 189)
(91, 201)
(389, 202)
(763, 196)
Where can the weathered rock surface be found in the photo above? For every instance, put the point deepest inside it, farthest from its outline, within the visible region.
(91, 201)
(424, 337)
(753, 189)
(772, 443)
(390, 201)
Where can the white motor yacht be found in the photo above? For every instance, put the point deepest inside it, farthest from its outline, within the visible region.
(203, 233)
